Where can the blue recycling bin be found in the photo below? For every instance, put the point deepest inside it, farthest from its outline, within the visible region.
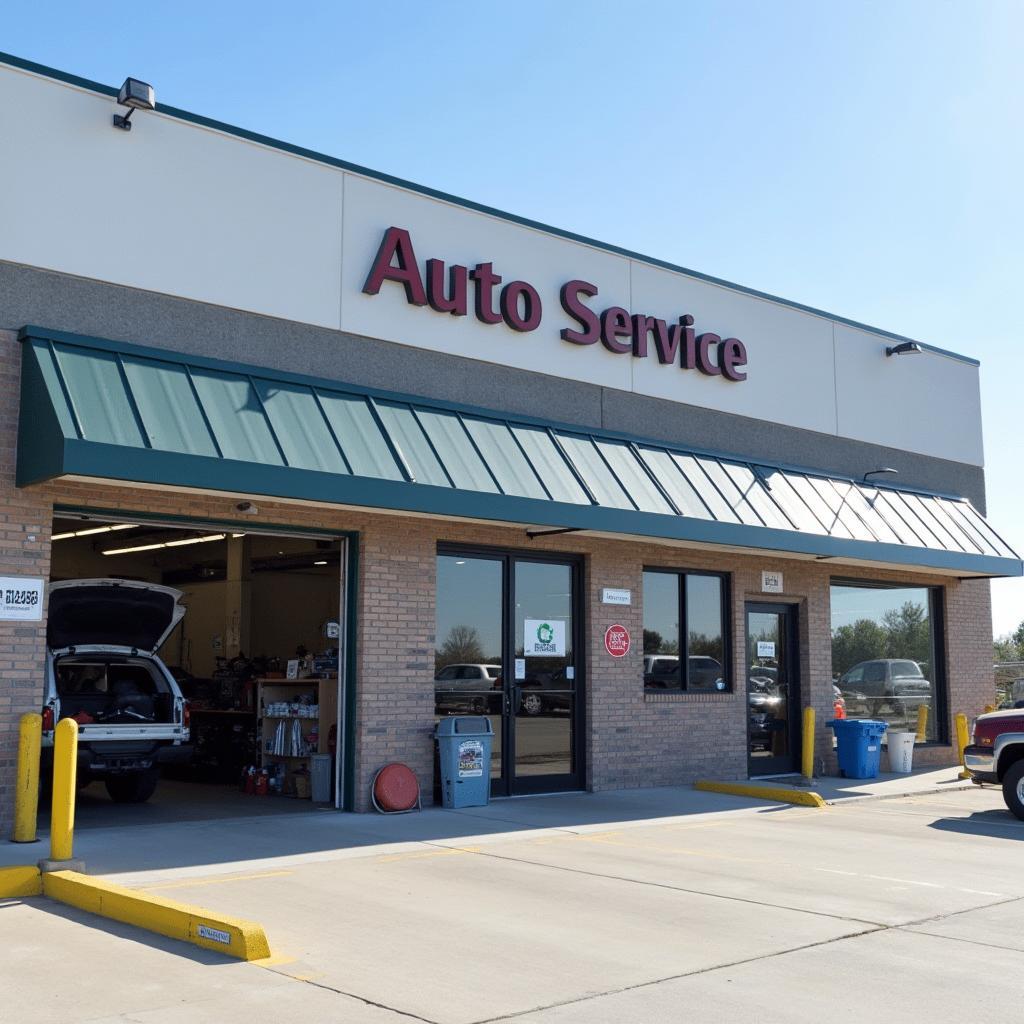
(859, 746)
(464, 745)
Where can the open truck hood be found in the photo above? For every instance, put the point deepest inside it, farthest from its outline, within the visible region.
(118, 613)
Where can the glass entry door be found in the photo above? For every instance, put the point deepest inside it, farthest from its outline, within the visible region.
(507, 647)
(773, 689)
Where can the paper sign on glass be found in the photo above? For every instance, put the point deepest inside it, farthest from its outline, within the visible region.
(544, 638)
(766, 648)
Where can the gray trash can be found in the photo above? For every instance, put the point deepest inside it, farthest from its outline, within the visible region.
(464, 744)
(320, 770)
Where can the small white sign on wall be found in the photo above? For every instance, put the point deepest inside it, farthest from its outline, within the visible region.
(611, 595)
(771, 582)
(21, 599)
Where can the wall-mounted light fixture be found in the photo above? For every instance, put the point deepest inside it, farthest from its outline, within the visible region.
(875, 472)
(905, 348)
(135, 95)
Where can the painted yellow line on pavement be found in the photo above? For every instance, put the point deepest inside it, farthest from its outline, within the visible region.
(777, 794)
(207, 929)
(187, 883)
(21, 880)
(448, 851)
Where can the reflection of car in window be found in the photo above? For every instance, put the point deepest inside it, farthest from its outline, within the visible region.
(661, 672)
(886, 683)
(467, 688)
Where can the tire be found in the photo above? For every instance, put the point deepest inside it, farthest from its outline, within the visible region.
(136, 788)
(1013, 789)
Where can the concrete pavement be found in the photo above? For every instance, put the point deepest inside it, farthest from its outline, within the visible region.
(651, 906)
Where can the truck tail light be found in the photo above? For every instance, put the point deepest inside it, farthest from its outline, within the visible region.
(186, 715)
(47, 719)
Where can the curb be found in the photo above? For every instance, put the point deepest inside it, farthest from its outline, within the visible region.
(905, 795)
(22, 880)
(777, 794)
(219, 933)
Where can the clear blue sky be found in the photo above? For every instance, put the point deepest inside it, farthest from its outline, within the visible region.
(865, 158)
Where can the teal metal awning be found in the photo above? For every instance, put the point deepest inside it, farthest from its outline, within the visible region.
(98, 409)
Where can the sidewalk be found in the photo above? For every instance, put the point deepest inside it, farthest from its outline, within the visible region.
(887, 786)
(205, 846)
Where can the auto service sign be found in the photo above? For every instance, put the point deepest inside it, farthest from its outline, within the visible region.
(616, 641)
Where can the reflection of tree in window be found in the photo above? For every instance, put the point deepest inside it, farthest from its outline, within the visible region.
(462, 644)
(903, 632)
(655, 643)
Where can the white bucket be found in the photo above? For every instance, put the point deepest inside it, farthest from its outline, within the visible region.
(901, 751)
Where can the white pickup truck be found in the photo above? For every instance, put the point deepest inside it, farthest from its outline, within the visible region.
(102, 670)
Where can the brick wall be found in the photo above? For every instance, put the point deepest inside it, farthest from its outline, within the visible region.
(633, 739)
(24, 551)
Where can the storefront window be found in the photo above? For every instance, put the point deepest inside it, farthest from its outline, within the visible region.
(684, 631)
(884, 664)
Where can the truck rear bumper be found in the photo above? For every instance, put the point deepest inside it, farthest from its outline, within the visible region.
(99, 763)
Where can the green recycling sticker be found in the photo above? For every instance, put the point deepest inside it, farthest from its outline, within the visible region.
(544, 638)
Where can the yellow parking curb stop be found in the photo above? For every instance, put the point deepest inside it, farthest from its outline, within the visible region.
(22, 880)
(231, 936)
(777, 794)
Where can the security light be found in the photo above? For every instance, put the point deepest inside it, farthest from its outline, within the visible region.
(135, 95)
(906, 348)
(875, 472)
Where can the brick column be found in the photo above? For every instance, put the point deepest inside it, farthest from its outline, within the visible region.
(25, 520)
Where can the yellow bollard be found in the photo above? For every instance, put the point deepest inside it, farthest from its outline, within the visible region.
(26, 796)
(65, 769)
(807, 748)
(922, 724)
(962, 739)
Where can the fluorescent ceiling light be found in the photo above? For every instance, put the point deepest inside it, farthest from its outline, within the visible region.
(319, 563)
(92, 530)
(166, 544)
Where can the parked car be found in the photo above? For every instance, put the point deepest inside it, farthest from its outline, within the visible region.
(661, 672)
(103, 671)
(468, 688)
(886, 684)
(996, 755)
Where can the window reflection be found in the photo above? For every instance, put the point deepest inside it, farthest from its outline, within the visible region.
(545, 677)
(696, 600)
(467, 654)
(883, 647)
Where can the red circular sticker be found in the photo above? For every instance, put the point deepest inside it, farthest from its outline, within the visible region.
(616, 641)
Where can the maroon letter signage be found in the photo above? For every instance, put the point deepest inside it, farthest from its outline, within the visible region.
(518, 306)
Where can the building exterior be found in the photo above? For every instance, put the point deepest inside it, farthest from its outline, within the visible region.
(632, 494)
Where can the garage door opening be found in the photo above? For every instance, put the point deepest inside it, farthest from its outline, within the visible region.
(202, 665)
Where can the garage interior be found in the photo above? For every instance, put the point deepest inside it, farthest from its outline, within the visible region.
(255, 655)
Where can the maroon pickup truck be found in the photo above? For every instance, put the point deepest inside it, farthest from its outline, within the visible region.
(996, 755)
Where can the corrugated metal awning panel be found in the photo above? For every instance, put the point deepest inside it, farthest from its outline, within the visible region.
(104, 393)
